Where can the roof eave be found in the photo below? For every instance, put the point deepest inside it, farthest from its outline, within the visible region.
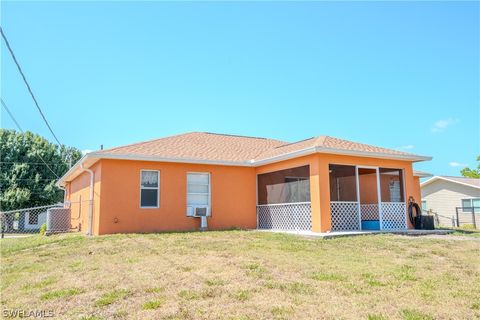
(404, 157)
(435, 178)
(95, 156)
(311, 150)
(421, 174)
(163, 159)
(75, 170)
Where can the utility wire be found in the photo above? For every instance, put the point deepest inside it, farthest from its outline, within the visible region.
(11, 116)
(19, 128)
(28, 162)
(28, 86)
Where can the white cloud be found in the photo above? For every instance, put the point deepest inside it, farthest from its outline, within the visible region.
(84, 152)
(443, 124)
(407, 147)
(457, 164)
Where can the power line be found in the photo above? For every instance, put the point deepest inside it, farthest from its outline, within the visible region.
(19, 128)
(26, 179)
(28, 162)
(28, 86)
(11, 116)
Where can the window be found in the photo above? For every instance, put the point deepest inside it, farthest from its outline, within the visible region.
(149, 188)
(32, 218)
(424, 205)
(391, 184)
(467, 205)
(198, 189)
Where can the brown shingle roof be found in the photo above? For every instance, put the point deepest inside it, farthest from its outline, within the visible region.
(199, 146)
(325, 143)
(205, 146)
(211, 148)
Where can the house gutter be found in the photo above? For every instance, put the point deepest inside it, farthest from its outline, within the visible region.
(90, 205)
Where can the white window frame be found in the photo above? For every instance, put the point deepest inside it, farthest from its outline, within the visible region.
(209, 189)
(470, 206)
(422, 203)
(149, 188)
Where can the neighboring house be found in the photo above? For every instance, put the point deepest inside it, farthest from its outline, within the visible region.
(444, 194)
(319, 184)
(34, 219)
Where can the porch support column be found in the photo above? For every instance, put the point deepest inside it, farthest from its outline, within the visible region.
(315, 194)
(320, 195)
(324, 174)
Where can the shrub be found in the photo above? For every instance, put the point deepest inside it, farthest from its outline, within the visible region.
(43, 229)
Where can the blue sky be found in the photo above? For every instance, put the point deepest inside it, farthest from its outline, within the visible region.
(395, 74)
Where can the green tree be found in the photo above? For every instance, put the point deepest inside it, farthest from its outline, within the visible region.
(472, 173)
(25, 181)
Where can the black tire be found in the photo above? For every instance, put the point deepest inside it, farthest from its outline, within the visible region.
(418, 212)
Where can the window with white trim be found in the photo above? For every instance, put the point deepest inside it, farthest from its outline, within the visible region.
(467, 205)
(149, 188)
(424, 205)
(198, 189)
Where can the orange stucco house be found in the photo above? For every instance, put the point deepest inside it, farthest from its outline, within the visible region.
(320, 184)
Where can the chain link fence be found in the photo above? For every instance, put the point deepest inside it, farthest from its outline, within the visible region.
(467, 217)
(56, 218)
(462, 217)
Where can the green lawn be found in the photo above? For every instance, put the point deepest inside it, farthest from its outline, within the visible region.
(243, 275)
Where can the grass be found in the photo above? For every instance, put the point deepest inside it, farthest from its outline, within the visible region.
(465, 231)
(56, 294)
(152, 304)
(111, 297)
(243, 275)
(412, 314)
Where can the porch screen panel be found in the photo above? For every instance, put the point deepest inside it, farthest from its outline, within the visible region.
(391, 185)
(343, 183)
(394, 211)
(284, 186)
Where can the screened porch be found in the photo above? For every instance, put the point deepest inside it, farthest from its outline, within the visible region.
(284, 199)
(367, 198)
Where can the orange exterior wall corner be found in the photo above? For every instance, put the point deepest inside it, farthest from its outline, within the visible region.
(78, 195)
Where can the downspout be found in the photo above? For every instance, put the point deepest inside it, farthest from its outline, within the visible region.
(90, 206)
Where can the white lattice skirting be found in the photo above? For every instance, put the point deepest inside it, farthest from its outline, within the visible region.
(345, 216)
(394, 215)
(369, 211)
(285, 216)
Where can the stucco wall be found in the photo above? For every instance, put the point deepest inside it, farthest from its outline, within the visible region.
(416, 193)
(233, 197)
(78, 193)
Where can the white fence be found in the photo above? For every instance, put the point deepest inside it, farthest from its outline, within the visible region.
(348, 215)
(345, 215)
(394, 215)
(285, 216)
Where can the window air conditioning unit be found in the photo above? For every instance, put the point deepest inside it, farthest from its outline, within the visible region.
(198, 211)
